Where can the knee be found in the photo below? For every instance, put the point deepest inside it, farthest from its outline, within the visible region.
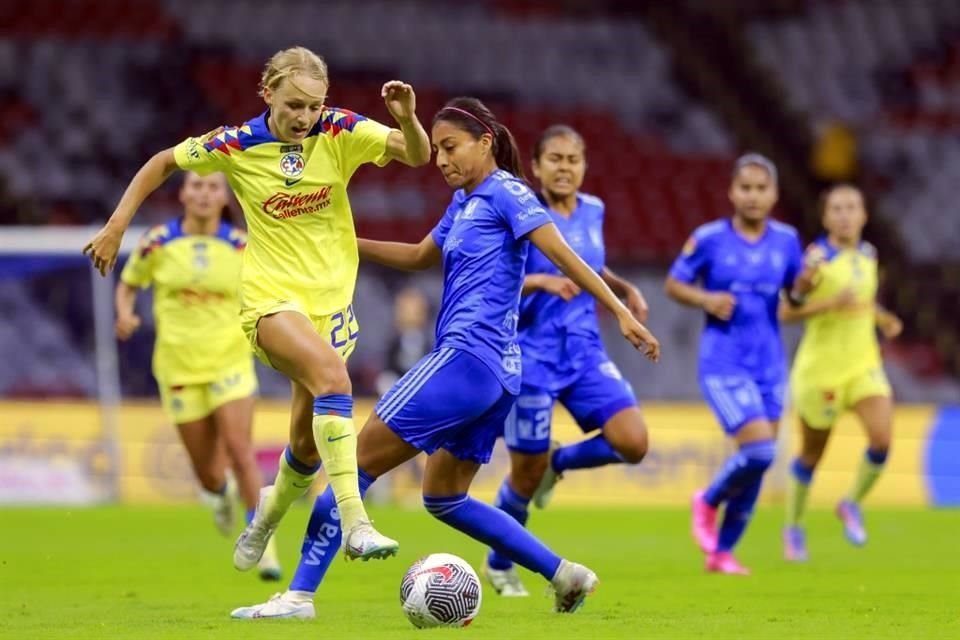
(759, 455)
(634, 447)
(526, 473)
(323, 381)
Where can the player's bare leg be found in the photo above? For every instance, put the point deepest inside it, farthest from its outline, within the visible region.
(876, 415)
(209, 461)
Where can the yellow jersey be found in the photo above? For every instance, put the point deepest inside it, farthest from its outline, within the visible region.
(303, 246)
(840, 344)
(195, 302)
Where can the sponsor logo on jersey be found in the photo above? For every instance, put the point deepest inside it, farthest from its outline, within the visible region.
(283, 205)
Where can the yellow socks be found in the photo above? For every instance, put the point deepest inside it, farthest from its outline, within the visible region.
(293, 480)
(337, 443)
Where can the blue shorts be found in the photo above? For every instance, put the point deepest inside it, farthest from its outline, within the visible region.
(595, 396)
(738, 398)
(449, 400)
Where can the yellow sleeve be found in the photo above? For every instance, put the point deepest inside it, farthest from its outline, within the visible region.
(365, 142)
(138, 272)
(203, 154)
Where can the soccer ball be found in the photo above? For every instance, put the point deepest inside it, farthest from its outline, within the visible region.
(440, 590)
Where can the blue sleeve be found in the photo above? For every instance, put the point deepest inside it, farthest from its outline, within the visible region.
(518, 206)
(692, 261)
(794, 262)
(439, 232)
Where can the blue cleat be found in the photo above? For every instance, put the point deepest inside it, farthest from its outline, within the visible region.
(849, 513)
(794, 544)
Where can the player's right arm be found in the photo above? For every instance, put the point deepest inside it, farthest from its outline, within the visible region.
(136, 274)
(404, 256)
(681, 282)
(127, 320)
(105, 245)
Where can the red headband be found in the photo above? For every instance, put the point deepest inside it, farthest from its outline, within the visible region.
(470, 115)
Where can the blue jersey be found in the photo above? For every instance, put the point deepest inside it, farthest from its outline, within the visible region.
(557, 337)
(755, 273)
(482, 235)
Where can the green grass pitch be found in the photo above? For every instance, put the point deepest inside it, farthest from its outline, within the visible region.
(163, 572)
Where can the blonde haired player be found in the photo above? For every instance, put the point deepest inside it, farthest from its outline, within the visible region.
(289, 168)
(838, 365)
(201, 360)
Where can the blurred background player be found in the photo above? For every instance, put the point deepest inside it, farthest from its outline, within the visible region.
(290, 167)
(742, 264)
(563, 355)
(412, 338)
(201, 361)
(838, 365)
(453, 403)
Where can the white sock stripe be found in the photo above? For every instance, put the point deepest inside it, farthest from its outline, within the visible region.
(416, 383)
(444, 509)
(412, 376)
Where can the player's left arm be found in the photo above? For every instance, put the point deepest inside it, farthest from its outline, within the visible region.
(626, 291)
(410, 145)
(889, 324)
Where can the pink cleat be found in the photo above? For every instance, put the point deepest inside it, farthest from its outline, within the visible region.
(704, 523)
(724, 562)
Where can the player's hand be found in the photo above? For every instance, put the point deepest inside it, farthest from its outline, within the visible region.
(560, 286)
(639, 336)
(890, 325)
(719, 304)
(126, 325)
(637, 304)
(103, 248)
(846, 299)
(400, 99)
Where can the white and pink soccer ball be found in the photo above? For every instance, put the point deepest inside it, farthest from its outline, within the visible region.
(440, 590)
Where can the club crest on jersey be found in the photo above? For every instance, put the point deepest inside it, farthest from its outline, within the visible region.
(292, 164)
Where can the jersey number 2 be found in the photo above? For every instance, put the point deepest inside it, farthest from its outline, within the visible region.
(344, 323)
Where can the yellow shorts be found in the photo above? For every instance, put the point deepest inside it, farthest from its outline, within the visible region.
(189, 402)
(820, 406)
(340, 329)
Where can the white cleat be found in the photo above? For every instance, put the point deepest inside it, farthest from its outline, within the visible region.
(364, 542)
(543, 494)
(253, 541)
(505, 582)
(281, 605)
(269, 565)
(572, 584)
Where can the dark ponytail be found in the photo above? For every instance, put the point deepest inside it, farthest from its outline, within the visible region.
(471, 115)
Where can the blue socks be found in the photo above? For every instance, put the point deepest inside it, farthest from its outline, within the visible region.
(493, 527)
(586, 454)
(249, 515)
(514, 505)
(739, 484)
(322, 542)
(751, 461)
